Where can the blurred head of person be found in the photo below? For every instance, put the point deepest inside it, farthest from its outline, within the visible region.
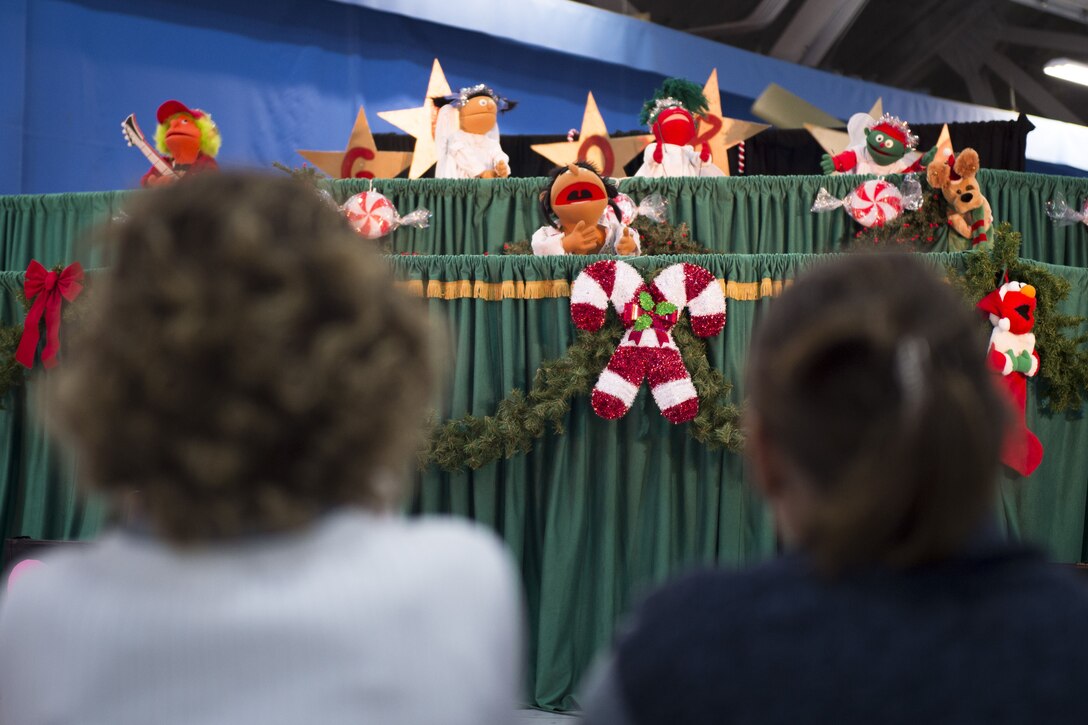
(247, 363)
(874, 425)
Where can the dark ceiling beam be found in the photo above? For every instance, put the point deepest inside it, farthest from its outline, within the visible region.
(762, 16)
(1075, 43)
(964, 63)
(1071, 9)
(1032, 90)
(926, 48)
(814, 29)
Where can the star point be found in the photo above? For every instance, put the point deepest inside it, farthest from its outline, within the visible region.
(722, 133)
(361, 158)
(594, 144)
(419, 122)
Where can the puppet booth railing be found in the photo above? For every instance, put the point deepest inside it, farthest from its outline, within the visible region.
(743, 215)
(600, 510)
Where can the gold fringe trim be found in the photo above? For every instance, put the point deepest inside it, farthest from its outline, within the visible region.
(553, 288)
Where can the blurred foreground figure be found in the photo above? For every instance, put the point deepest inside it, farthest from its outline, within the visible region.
(874, 429)
(251, 369)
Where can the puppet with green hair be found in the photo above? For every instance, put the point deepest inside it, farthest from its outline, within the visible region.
(672, 115)
(188, 139)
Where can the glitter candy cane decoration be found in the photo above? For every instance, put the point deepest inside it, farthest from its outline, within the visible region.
(647, 349)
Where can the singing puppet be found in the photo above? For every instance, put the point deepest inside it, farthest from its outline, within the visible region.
(878, 146)
(671, 115)
(580, 210)
(467, 134)
(188, 139)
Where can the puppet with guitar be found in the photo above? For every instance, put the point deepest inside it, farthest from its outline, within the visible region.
(187, 141)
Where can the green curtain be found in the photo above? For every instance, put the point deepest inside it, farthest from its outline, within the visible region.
(37, 495)
(600, 514)
(744, 215)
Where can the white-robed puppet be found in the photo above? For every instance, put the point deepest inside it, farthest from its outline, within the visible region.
(878, 146)
(466, 135)
(671, 115)
(582, 217)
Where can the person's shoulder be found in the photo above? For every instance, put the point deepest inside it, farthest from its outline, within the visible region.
(447, 547)
(721, 590)
(48, 588)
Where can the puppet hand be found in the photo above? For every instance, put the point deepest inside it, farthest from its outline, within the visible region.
(501, 169)
(161, 180)
(626, 245)
(1022, 362)
(489, 174)
(582, 240)
(827, 164)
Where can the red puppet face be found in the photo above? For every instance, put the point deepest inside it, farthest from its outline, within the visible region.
(1017, 306)
(675, 126)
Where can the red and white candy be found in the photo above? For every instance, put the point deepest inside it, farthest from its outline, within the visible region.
(372, 215)
(872, 204)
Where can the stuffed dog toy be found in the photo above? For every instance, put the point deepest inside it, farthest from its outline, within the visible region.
(969, 213)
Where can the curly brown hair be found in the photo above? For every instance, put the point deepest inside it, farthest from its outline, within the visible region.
(247, 364)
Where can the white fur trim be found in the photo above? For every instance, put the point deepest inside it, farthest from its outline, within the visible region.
(1034, 366)
(674, 392)
(1008, 364)
(613, 384)
(1004, 324)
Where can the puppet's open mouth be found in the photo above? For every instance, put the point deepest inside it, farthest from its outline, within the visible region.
(578, 192)
(1024, 311)
(880, 154)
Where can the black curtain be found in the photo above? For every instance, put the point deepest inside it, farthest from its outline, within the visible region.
(777, 152)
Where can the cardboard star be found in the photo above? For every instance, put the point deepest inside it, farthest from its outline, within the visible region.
(834, 141)
(719, 132)
(419, 122)
(361, 159)
(595, 145)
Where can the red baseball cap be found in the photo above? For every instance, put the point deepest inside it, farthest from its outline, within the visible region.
(171, 107)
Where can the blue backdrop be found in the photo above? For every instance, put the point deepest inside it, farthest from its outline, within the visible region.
(288, 74)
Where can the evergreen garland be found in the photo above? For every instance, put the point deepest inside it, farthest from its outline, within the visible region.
(1063, 369)
(473, 441)
(919, 230)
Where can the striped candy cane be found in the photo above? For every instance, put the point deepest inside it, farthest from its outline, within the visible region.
(647, 349)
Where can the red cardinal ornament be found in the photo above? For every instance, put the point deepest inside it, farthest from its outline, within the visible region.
(1012, 356)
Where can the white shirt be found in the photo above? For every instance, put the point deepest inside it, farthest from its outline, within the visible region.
(549, 240)
(361, 619)
(676, 161)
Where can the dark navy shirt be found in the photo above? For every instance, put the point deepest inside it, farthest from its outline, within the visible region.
(996, 636)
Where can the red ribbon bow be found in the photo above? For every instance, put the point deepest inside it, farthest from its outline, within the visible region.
(46, 289)
(660, 324)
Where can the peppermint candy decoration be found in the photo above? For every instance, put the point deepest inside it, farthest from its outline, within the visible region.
(874, 203)
(372, 215)
(652, 207)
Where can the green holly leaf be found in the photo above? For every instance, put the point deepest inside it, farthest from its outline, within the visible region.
(665, 308)
(643, 322)
(645, 301)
